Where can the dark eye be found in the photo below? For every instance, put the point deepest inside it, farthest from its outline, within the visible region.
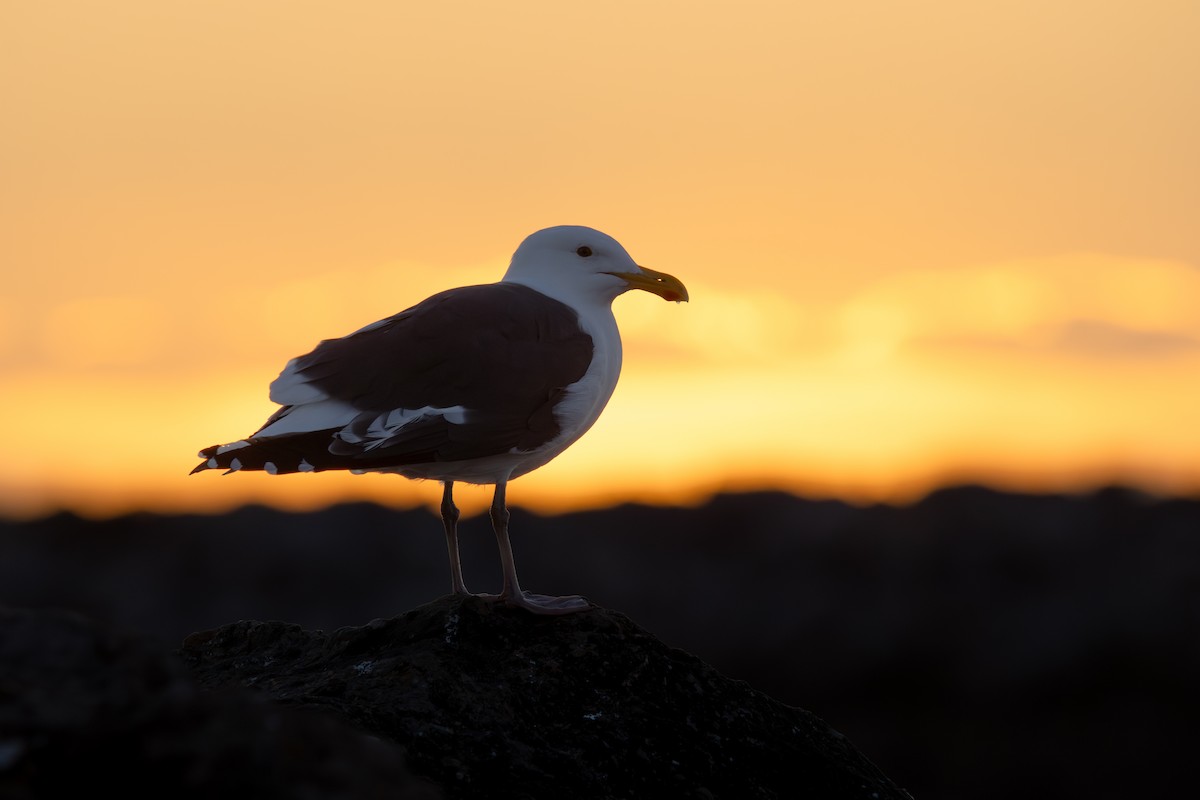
(584, 251)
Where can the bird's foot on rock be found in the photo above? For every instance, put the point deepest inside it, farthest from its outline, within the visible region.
(540, 603)
(547, 604)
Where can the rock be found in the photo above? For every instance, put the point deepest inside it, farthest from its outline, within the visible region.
(84, 710)
(491, 702)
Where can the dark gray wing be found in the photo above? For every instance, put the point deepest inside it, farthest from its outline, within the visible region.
(503, 353)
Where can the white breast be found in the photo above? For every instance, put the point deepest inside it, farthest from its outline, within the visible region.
(586, 398)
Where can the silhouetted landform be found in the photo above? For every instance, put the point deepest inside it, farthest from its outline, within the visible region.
(484, 702)
(974, 644)
(87, 712)
(497, 703)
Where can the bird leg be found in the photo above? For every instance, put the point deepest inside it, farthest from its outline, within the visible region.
(450, 522)
(512, 594)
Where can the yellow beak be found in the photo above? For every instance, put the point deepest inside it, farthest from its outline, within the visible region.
(668, 287)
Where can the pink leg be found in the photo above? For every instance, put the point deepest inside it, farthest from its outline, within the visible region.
(512, 594)
(450, 522)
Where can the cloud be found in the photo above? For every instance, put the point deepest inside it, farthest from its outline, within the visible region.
(1074, 306)
(1078, 305)
(720, 325)
(1092, 337)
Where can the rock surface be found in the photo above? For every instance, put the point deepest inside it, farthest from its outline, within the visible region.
(85, 711)
(495, 703)
(479, 701)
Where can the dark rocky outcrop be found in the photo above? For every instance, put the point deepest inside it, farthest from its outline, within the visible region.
(497, 703)
(84, 710)
(480, 701)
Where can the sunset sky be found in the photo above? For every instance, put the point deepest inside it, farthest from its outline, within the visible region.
(926, 242)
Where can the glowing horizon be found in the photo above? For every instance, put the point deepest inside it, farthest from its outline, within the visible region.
(925, 245)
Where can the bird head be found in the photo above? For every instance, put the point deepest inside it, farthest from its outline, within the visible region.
(573, 263)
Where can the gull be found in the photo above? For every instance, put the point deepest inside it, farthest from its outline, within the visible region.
(479, 384)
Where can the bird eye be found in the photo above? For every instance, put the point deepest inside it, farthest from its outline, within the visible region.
(584, 252)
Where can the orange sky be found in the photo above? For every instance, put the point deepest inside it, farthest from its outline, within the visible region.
(925, 241)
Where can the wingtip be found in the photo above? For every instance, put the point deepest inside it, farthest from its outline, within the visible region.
(209, 462)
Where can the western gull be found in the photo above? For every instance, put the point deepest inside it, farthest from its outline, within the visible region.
(480, 384)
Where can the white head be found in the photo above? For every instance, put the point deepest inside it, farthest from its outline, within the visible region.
(580, 265)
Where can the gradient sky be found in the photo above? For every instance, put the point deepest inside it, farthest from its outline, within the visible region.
(925, 241)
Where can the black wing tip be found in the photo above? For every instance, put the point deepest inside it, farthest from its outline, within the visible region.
(277, 455)
(207, 454)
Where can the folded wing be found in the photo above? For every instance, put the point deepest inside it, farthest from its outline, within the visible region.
(466, 374)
